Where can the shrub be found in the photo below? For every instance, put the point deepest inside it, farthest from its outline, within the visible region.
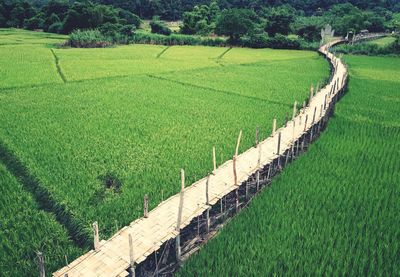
(258, 41)
(33, 23)
(88, 39)
(56, 27)
(283, 42)
(158, 27)
(130, 18)
(176, 39)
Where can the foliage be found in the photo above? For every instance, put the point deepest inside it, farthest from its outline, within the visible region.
(158, 27)
(309, 28)
(33, 23)
(88, 39)
(201, 20)
(234, 23)
(176, 39)
(279, 20)
(334, 210)
(346, 17)
(63, 16)
(174, 9)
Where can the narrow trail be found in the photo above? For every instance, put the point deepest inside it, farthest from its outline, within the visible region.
(57, 62)
(160, 242)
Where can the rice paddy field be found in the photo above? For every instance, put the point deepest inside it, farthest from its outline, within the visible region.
(86, 133)
(383, 41)
(334, 211)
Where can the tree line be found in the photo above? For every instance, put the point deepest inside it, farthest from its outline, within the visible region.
(280, 24)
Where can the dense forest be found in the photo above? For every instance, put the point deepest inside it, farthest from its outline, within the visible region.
(254, 23)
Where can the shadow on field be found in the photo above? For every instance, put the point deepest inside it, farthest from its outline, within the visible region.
(44, 200)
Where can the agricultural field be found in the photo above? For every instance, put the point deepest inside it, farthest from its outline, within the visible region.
(385, 41)
(95, 130)
(334, 211)
(22, 221)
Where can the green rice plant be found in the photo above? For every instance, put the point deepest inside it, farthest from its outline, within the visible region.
(335, 210)
(121, 119)
(26, 229)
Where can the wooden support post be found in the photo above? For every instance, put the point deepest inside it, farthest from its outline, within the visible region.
(287, 157)
(198, 221)
(279, 144)
(278, 150)
(208, 220)
(95, 236)
(258, 180)
(325, 101)
(247, 190)
(207, 189)
(274, 126)
(146, 206)
(305, 123)
(317, 88)
(293, 138)
(313, 119)
(42, 272)
(208, 204)
(238, 143)
(269, 170)
(322, 109)
(234, 170)
(131, 257)
(178, 222)
(237, 199)
(304, 107)
(294, 110)
(258, 166)
(214, 161)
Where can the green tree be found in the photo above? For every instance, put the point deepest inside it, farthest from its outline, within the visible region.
(234, 23)
(279, 20)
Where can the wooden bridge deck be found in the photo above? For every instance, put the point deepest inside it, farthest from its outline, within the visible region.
(113, 258)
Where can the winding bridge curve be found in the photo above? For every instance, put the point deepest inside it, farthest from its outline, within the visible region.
(151, 236)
